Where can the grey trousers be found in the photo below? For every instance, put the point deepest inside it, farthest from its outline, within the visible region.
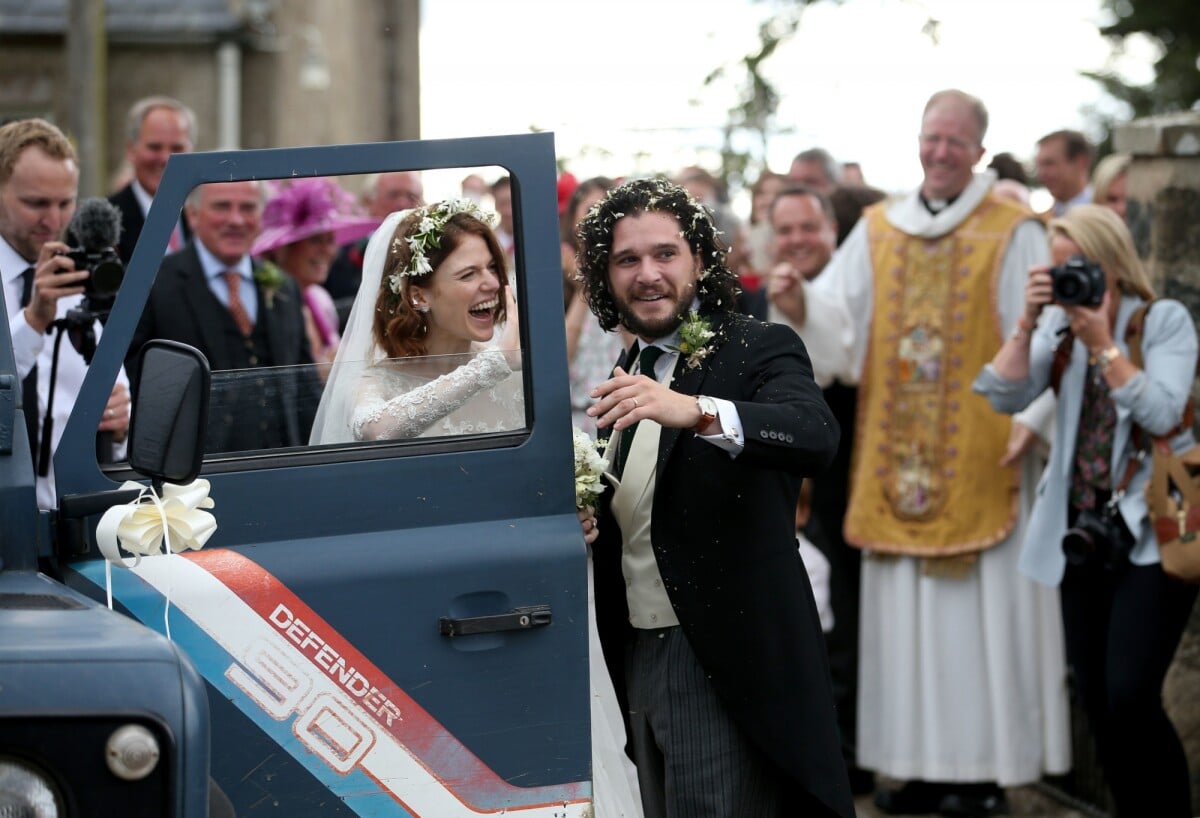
(693, 760)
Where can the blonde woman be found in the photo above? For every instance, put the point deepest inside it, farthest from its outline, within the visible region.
(1089, 531)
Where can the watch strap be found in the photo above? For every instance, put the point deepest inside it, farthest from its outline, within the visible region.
(706, 417)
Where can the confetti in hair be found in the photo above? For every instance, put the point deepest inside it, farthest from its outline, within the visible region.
(716, 286)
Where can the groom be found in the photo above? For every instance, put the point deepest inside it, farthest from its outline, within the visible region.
(705, 612)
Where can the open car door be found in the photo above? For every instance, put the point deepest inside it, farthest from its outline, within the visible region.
(394, 628)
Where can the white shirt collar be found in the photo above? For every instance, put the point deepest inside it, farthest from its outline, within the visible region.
(665, 343)
(669, 343)
(143, 198)
(213, 266)
(12, 263)
(1082, 197)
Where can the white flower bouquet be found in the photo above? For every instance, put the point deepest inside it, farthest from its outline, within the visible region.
(589, 471)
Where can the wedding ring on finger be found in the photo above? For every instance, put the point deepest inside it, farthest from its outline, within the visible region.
(635, 403)
(108, 413)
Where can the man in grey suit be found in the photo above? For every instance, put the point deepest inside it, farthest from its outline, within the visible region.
(213, 296)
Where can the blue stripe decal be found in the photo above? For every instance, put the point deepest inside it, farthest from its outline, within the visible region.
(356, 790)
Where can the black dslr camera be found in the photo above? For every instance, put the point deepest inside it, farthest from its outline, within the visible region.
(1078, 281)
(107, 273)
(1098, 537)
(96, 227)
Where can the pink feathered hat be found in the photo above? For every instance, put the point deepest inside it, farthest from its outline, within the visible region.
(301, 208)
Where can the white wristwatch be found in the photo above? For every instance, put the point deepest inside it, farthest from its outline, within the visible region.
(708, 412)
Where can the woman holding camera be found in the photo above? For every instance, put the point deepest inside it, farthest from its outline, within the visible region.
(1089, 530)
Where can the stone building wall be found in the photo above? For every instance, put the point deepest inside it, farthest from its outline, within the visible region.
(354, 45)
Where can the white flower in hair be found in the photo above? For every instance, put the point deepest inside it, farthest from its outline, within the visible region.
(428, 235)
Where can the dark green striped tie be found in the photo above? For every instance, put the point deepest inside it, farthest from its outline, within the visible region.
(646, 360)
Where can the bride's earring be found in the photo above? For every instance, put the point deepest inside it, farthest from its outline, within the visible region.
(421, 308)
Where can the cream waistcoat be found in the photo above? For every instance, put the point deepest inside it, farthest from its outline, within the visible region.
(632, 503)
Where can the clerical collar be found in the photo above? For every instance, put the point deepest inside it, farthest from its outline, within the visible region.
(936, 206)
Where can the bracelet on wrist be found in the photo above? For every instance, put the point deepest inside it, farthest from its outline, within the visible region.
(1105, 358)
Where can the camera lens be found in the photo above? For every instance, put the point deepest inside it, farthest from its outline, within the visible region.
(1078, 545)
(1067, 288)
(106, 278)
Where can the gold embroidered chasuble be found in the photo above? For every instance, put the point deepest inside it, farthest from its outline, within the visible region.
(926, 479)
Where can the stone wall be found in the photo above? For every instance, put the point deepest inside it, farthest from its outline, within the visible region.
(1164, 216)
(365, 91)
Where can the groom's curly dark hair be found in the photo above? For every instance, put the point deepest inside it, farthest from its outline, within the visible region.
(717, 287)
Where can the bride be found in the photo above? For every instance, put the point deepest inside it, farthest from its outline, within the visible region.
(415, 360)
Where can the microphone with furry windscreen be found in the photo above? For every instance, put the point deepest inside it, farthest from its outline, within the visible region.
(96, 227)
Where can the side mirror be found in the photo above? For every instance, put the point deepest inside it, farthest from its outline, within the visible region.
(170, 412)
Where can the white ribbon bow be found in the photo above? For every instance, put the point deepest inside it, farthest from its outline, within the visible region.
(151, 526)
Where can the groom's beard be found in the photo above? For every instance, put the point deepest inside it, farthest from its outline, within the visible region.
(652, 328)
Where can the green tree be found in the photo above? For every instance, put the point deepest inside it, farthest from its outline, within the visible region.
(1174, 26)
(752, 117)
(757, 98)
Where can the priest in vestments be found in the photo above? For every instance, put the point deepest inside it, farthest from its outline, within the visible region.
(963, 681)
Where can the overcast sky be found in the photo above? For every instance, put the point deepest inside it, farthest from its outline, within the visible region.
(618, 81)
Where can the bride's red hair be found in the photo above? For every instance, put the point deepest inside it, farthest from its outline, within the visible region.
(398, 327)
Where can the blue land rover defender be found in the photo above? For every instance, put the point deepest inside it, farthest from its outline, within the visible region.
(388, 628)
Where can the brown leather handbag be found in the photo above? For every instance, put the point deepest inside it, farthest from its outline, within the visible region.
(1173, 493)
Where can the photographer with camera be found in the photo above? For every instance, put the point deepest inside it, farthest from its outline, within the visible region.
(1089, 530)
(42, 285)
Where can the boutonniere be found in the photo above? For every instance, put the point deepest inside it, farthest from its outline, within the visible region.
(269, 279)
(694, 335)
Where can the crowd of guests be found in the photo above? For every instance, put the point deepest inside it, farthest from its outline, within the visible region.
(950, 612)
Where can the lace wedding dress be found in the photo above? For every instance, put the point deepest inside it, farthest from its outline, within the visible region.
(614, 778)
(402, 398)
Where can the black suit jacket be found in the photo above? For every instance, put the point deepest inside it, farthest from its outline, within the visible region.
(724, 537)
(132, 221)
(181, 307)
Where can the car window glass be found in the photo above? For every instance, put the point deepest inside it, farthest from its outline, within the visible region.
(272, 332)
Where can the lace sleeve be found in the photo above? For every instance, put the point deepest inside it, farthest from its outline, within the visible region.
(379, 414)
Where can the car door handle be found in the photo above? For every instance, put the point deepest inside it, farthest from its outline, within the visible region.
(518, 619)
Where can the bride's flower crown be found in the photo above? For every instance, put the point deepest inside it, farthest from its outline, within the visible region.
(427, 234)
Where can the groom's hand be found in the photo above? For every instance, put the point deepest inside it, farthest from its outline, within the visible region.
(624, 399)
(587, 522)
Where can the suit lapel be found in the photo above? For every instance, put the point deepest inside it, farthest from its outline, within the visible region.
(205, 307)
(687, 381)
(270, 311)
(137, 219)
